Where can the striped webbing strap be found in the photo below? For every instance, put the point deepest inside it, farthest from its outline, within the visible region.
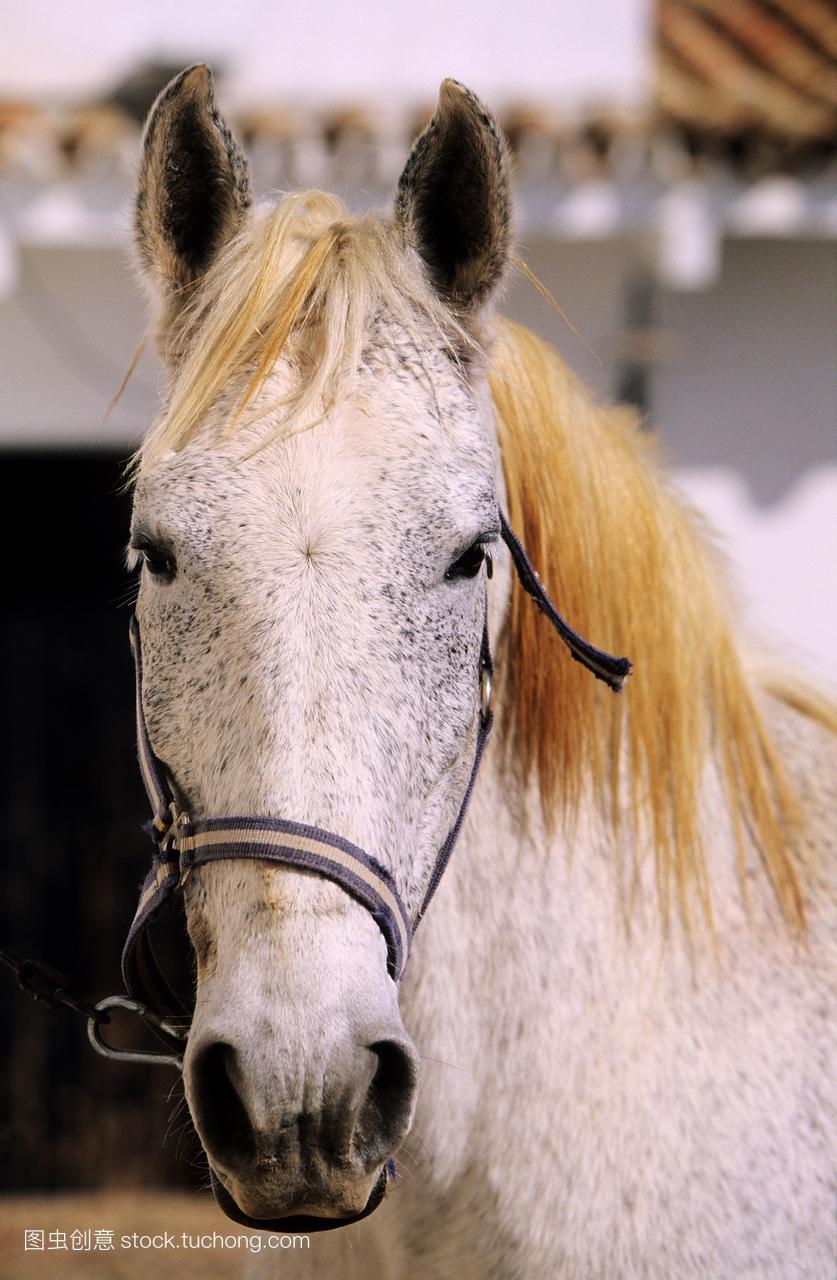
(182, 843)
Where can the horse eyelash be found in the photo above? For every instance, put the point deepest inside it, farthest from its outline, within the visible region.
(484, 540)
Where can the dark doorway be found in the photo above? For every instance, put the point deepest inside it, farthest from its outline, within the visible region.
(73, 849)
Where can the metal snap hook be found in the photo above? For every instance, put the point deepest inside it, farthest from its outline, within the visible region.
(149, 1017)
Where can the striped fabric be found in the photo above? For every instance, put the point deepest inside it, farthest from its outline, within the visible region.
(181, 844)
(273, 839)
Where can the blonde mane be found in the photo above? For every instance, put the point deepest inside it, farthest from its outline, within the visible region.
(620, 552)
(617, 550)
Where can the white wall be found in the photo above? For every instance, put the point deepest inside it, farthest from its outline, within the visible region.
(782, 560)
(749, 375)
(328, 48)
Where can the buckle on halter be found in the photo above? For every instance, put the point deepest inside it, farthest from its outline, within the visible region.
(173, 832)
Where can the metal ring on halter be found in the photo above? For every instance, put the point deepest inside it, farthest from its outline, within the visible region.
(149, 1017)
(485, 694)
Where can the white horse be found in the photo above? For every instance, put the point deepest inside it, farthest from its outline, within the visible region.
(614, 1058)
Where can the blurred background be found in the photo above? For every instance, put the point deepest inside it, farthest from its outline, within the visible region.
(677, 193)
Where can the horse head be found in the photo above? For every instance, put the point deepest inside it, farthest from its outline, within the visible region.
(313, 514)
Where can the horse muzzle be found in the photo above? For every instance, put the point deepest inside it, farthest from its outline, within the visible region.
(293, 1135)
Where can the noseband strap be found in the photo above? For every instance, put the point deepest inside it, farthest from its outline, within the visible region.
(182, 843)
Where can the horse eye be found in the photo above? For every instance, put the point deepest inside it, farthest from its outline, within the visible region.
(469, 563)
(158, 563)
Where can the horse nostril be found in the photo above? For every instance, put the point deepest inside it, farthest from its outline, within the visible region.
(221, 1115)
(386, 1111)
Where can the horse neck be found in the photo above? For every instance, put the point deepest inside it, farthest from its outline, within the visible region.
(513, 925)
(511, 894)
(521, 904)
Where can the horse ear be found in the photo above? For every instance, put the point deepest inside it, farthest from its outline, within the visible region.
(193, 190)
(454, 200)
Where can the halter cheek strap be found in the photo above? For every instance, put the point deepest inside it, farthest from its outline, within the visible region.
(181, 843)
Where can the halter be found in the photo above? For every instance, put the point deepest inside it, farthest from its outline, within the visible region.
(182, 843)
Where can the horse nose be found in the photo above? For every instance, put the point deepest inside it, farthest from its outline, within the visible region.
(387, 1109)
(355, 1115)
